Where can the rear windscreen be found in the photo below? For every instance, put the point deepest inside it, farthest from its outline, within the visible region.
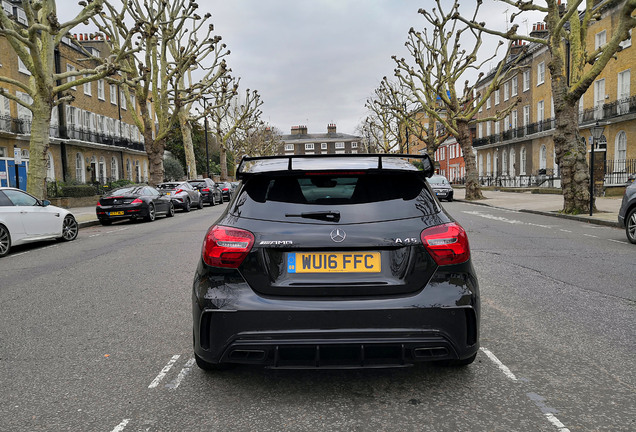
(370, 196)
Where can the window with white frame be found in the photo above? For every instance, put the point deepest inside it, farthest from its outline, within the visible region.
(309, 146)
(600, 39)
(79, 167)
(488, 164)
(513, 120)
(88, 91)
(540, 111)
(481, 107)
(627, 42)
(497, 97)
(488, 103)
(129, 174)
(522, 161)
(340, 145)
(354, 144)
(623, 91)
(511, 170)
(504, 162)
(488, 131)
(22, 67)
(495, 165)
(543, 157)
(506, 123)
(133, 102)
(621, 146)
(122, 97)
(71, 68)
(526, 115)
(480, 164)
(100, 90)
(5, 108)
(114, 168)
(480, 132)
(526, 80)
(506, 91)
(24, 113)
(289, 147)
(323, 146)
(50, 167)
(540, 73)
(497, 127)
(8, 8)
(514, 84)
(113, 94)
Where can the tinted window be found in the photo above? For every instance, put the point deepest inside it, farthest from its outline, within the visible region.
(20, 198)
(4, 201)
(132, 190)
(366, 197)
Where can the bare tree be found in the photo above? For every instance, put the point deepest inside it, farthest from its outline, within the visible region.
(439, 65)
(230, 114)
(35, 44)
(256, 140)
(573, 69)
(158, 77)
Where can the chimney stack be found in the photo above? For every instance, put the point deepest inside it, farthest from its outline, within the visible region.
(539, 30)
(331, 128)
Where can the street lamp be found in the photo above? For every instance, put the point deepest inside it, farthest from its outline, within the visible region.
(207, 151)
(596, 131)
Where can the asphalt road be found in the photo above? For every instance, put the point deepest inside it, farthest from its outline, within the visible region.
(95, 335)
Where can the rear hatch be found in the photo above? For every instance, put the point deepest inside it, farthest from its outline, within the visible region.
(344, 234)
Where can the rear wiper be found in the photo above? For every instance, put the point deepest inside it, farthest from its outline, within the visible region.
(332, 216)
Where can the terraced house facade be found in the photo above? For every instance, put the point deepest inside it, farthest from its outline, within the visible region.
(519, 151)
(93, 138)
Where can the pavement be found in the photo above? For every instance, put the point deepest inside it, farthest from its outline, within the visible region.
(544, 204)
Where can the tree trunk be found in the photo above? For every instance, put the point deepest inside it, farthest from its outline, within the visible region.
(38, 148)
(154, 150)
(570, 155)
(223, 162)
(188, 147)
(473, 188)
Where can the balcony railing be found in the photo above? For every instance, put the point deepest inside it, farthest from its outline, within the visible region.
(23, 126)
(606, 111)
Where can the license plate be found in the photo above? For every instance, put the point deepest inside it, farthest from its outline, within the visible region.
(334, 262)
(168, 193)
(117, 213)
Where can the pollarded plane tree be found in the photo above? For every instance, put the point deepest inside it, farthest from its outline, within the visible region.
(412, 118)
(439, 63)
(155, 75)
(35, 43)
(231, 113)
(257, 139)
(573, 68)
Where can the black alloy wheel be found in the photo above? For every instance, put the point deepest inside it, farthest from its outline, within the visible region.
(630, 226)
(152, 214)
(5, 241)
(70, 228)
(170, 210)
(186, 205)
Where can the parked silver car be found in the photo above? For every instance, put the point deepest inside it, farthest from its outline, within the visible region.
(183, 195)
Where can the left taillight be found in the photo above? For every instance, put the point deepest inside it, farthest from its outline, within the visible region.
(137, 201)
(226, 247)
(447, 244)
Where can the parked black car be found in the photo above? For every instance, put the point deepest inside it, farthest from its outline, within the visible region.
(133, 202)
(627, 212)
(335, 261)
(210, 192)
(442, 187)
(226, 190)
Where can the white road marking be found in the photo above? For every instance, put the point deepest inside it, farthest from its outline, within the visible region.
(117, 230)
(537, 399)
(185, 371)
(164, 371)
(590, 235)
(120, 427)
(618, 241)
(506, 220)
(499, 364)
(566, 231)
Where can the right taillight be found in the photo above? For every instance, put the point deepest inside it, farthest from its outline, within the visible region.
(226, 247)
(447, 244)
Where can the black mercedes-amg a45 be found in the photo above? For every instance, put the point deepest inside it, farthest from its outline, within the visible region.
(335, 261)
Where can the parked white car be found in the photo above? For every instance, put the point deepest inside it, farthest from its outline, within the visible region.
(26, 219)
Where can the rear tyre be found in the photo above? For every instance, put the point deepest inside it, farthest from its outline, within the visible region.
(152, 214)
(70, 228)
(207, 366)
(200, 203)
(170, 210)
(5, 241)
(186, 205)
(630, 226)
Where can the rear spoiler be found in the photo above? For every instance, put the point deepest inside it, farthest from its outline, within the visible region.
(249, 165)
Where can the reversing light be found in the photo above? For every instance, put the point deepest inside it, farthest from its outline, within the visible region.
(226, 247)
(447, 244)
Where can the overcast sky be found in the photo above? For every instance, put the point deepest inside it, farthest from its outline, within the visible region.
(316, 62)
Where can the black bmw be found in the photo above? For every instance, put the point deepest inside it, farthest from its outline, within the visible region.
(133, 202)
(335, 261)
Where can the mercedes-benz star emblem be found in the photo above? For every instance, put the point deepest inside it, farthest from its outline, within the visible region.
(338, 235)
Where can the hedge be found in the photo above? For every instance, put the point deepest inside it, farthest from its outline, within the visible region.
(78, 191)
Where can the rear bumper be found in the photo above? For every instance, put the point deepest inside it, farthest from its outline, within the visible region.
(128, 212)
(232, 324)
